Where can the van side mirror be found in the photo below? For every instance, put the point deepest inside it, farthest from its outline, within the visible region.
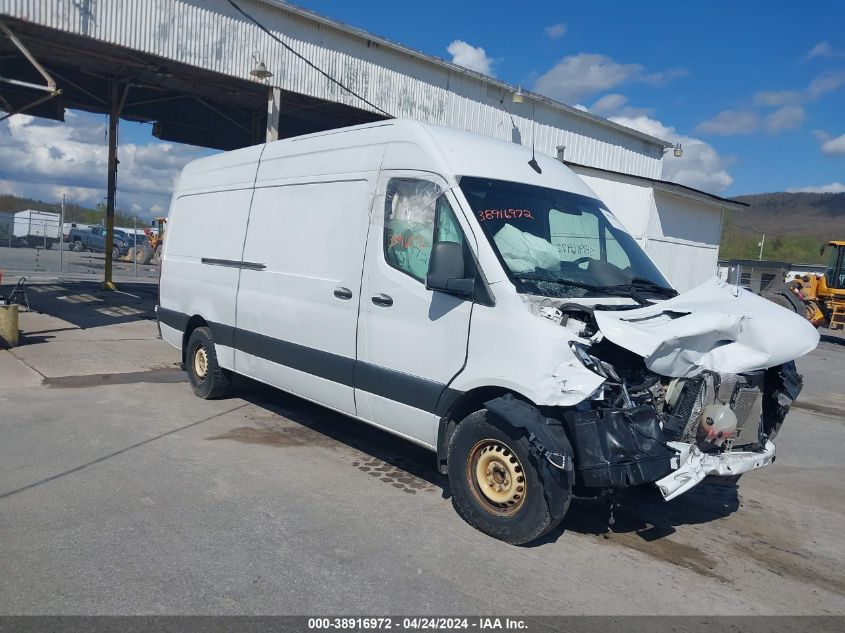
(446, 270)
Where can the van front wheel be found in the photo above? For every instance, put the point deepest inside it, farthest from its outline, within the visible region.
(208, 379)
(498, 479)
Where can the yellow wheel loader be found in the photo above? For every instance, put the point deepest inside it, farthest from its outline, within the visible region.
(151, 250)
(820, 298)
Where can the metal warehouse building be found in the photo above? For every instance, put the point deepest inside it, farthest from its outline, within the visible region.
(185, 66)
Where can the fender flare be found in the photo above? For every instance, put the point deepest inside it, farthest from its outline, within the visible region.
(548, 437)
(543, 433)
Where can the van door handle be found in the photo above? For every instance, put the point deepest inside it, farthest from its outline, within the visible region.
(343, 293)
(382, 300)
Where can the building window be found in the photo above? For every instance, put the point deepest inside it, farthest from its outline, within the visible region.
(766, 279)
(745, 279)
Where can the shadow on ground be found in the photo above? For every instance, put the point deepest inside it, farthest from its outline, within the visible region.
(642, 514)
(321, 426)
(86, 305)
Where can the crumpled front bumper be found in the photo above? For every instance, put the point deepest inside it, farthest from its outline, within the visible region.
(694, 466)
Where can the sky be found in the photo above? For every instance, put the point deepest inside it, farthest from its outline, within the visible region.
(754, 91)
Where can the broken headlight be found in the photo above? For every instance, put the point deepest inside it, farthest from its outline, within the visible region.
(595, 365)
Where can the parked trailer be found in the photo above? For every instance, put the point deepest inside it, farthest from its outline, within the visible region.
(36, 228)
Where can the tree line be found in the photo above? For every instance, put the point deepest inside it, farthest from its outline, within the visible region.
(74, 212)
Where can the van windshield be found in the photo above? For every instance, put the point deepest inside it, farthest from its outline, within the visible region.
(556, 243)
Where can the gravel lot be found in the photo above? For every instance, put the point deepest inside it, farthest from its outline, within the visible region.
(122, 493)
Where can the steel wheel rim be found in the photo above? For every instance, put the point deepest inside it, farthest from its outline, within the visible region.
(201, 362)
(496, 477)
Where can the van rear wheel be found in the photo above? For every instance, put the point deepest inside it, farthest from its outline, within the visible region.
(498, 478)
(208, 379)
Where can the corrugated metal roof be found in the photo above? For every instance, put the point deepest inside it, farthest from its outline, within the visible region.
(311, 15)
(211, 35)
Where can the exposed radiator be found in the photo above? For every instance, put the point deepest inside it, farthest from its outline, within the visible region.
(741, 392)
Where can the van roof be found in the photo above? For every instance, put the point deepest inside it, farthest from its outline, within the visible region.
(410, 145)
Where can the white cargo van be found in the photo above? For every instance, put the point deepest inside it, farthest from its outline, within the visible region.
(450, 289)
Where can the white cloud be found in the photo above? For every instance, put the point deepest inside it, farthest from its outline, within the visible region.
(700, 167)
(472, 57)
(610, 103)
(585, 74)
(44, 159)
(824, 83)
(834, 146)
(834, 187)
(555, 31)
(786, 118)
(729, 122)
(821, 85)
(776, 98)
(822, 49)
(615, 104)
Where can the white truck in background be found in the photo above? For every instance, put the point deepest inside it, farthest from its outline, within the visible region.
(36, 228)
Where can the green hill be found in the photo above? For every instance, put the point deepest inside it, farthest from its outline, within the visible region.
(73, 212)
(796, 225)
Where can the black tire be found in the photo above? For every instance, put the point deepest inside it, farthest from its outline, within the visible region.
(216, 382)
(143, 254)
(49, 244)
(158, 253)
(115, 253)
(516, 523)
(780, 300)
(78, 246)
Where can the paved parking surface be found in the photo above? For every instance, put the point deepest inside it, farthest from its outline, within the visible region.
(121, 493)
(41, 261)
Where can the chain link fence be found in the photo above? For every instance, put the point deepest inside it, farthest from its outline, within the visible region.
(34, 242)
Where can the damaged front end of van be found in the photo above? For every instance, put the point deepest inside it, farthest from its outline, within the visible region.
(691, 387)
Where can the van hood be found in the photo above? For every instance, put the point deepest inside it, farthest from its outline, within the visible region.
(715, 326)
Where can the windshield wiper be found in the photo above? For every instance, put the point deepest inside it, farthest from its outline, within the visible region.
(641, 283)
(613, 291)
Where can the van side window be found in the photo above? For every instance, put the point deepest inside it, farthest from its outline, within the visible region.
(412, 210)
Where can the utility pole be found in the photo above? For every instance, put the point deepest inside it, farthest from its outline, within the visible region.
(762, 244)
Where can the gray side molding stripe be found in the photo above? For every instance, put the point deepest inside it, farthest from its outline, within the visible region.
(414, 391)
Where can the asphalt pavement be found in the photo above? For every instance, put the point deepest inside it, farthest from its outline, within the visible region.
(122, 493)
(38, 262)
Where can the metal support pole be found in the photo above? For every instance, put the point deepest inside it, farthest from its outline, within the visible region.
(762, 244)
(62, 235)
(108, 284)
(274, 105)
(51, 84)
(135, 246)
(116, 102)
